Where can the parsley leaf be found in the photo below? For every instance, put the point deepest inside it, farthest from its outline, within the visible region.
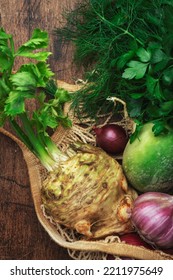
(123, 59)
(136, 69)
(143, 54)
(159, 128)
(153, 87)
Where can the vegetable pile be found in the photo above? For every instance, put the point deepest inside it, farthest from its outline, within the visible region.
(126, 49)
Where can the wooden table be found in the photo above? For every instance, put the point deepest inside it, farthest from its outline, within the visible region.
(21, 235)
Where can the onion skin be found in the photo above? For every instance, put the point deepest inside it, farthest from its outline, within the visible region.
(152, 216)
(134, 239)
(112, 138)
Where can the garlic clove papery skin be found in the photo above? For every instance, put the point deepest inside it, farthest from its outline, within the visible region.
(152, 216)
(89, 193)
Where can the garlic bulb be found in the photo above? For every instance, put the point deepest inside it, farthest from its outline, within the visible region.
(89, 193)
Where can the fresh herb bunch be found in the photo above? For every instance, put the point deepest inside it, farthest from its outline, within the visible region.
(31, 81)
(127, 49)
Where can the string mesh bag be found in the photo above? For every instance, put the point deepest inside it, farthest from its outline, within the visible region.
(77, 245)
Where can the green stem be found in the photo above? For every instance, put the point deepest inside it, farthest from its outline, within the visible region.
(13, 52)
(21, 134)
(39, 149)
(12, 44)
(125, 31)
(53, 150)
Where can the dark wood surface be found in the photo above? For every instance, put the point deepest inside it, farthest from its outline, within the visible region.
(21, 235)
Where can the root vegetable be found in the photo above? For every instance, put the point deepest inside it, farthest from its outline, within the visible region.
(89, 193)
(148, 161)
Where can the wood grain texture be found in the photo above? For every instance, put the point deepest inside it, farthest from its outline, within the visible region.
(21, 235)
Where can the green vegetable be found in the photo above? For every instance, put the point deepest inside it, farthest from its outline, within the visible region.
(148, 161)
(31, 81)
(126, 47)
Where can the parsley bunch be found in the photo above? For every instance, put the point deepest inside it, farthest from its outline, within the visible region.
(152, 101)
(31, 81)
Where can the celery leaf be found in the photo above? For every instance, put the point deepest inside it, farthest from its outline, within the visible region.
(40, 71)
(4, 36)
(5, 58)
(23, 81)
(40, 56)
(38, 40)
(15, 103)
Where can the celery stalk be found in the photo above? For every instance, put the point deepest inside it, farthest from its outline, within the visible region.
(31, 81)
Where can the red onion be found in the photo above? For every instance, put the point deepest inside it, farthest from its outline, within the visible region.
(152, 216)
(134, 239)
(112, 138)
(131, 238)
